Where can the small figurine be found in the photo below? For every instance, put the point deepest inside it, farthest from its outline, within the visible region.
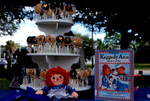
(57, 80)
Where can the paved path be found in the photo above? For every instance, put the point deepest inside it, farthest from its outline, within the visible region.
(144, 71)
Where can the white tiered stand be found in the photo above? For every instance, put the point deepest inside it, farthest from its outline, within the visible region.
(48, 60)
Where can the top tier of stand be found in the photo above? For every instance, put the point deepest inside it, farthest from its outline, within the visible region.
(54, 27)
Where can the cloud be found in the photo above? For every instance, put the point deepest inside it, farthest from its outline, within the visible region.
(78, 28)
(29, 28)
(99, 36)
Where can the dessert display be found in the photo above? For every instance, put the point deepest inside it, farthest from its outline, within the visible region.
(32, 79)
(68, 43)
(76, 42)
(51, 11)
(77, 78)
(56, 48)
(62, 10)
(58, 44)
(31, 40)
(41, 42)
(51, 40)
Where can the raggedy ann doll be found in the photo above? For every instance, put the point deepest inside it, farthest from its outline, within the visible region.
(105, 73)
(57, 80)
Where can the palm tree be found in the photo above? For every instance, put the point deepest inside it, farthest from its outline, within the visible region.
(10, 47)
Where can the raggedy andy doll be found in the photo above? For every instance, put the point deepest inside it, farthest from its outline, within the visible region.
(57, 80)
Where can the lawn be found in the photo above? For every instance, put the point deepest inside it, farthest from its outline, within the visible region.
(136, 66)
(142, 66)
(4, 83)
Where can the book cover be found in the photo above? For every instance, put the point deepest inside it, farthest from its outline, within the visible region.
(114, 75)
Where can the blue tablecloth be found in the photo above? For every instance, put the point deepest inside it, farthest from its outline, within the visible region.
(7, 95)
(26, 95)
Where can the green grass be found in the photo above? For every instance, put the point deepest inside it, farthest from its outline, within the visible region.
(88, 66)
(142, 66)
(136, 66)
(4, 83)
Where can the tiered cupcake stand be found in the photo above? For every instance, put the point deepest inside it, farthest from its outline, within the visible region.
(47, 59)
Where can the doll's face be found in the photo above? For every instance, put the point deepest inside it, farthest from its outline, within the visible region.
(107, 71)
(120, 71)
(57, 79)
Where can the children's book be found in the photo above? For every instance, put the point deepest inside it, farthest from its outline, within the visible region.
(114, 75)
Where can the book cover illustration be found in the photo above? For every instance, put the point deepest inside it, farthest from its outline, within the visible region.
(114, 75)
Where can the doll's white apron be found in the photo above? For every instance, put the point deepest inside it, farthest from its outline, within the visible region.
(59, 93)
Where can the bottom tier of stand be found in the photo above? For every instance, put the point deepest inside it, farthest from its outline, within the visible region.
(39, 88)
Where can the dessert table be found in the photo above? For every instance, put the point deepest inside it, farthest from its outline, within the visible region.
(142, 94)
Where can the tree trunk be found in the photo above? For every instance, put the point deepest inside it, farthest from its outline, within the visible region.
(9, 69)
(125, 39)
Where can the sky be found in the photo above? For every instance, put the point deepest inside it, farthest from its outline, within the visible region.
(29, 28)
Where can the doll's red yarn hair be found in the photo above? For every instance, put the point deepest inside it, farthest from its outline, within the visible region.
(123, 68)
(105, 66)
(53, 71)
